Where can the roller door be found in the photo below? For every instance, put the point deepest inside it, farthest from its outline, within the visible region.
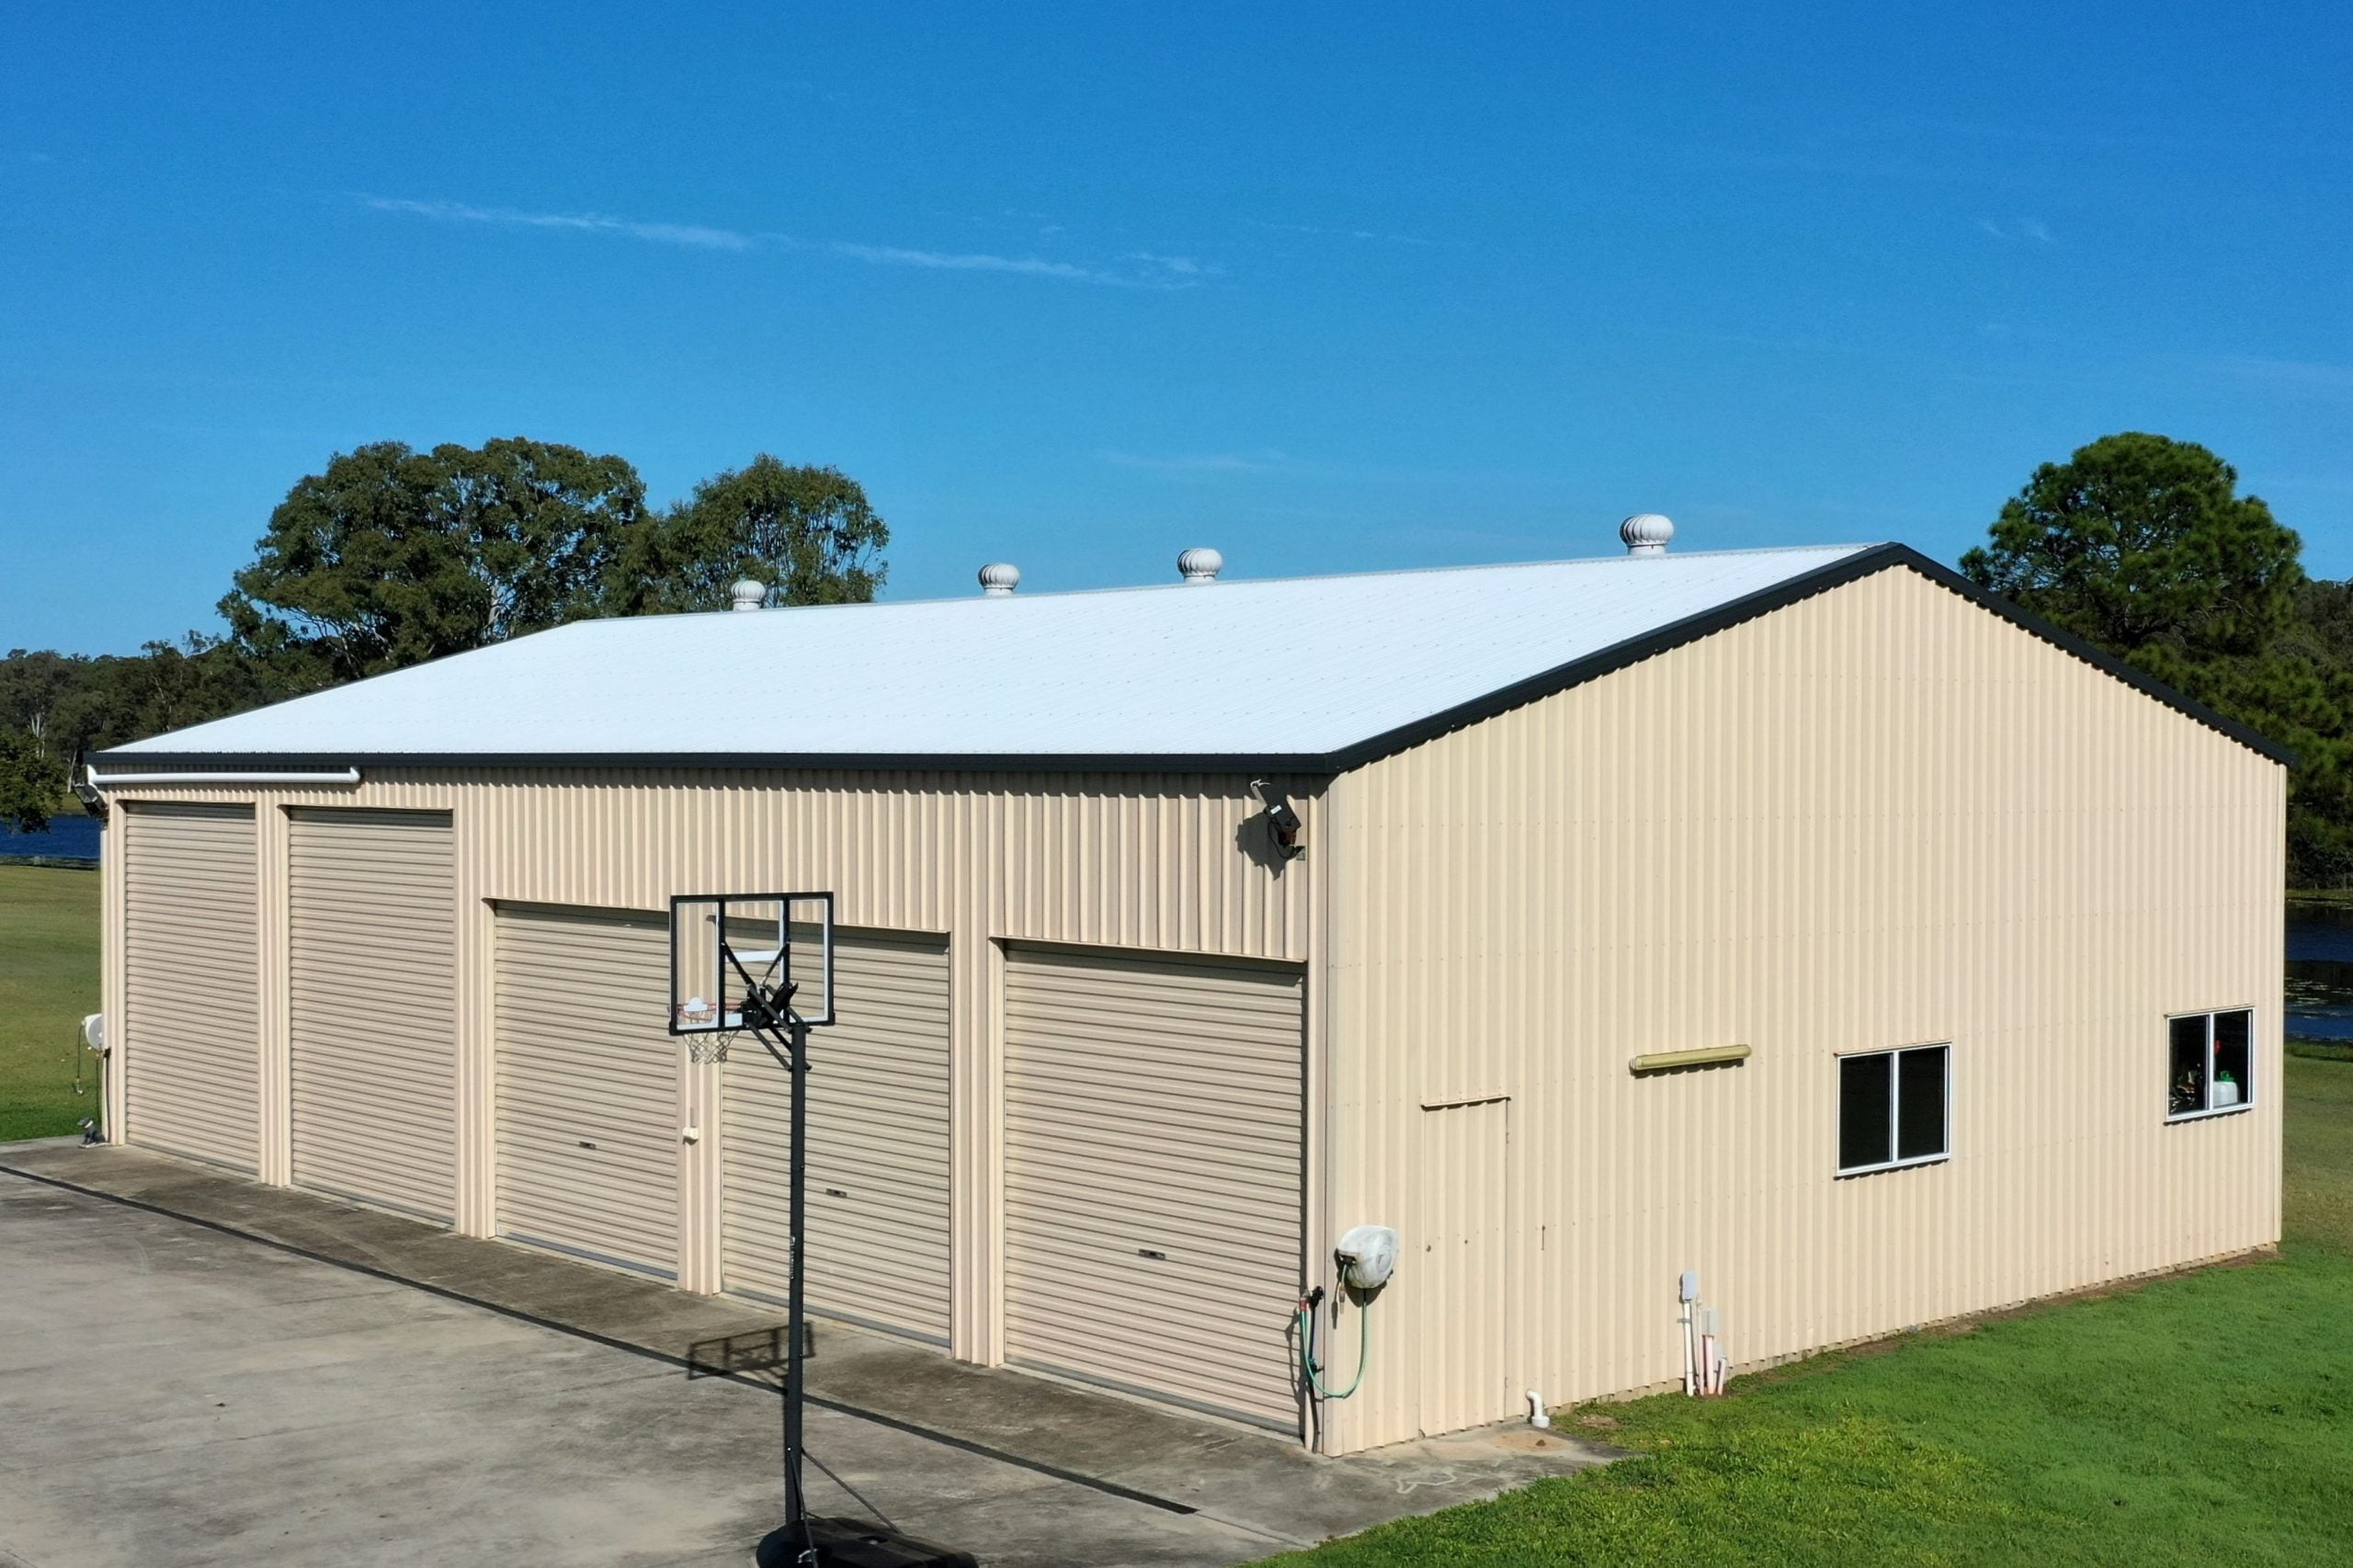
(373, 959)
(191, 1035)
(1152, 1200)
(588, 1087)
(878, 1145)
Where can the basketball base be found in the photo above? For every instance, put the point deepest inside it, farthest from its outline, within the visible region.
(857, 1543)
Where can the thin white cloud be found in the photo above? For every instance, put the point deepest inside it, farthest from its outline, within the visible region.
(691, 234)
(963, 261)
(1359, 234)
(2020, 229)
(1177, 265)
(1140, 269)
(1134, 269)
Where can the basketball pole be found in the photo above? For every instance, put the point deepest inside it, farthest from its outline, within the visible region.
(769, 1015)
(796, 1502)
(767, 1010)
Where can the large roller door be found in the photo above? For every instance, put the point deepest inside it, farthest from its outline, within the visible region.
(372, 952)
(588, 1087)
(191, 1042)
(878, 1145)
(1152, 1119)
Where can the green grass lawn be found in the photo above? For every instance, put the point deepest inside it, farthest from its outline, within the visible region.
(49, 978)
(2206, 1419)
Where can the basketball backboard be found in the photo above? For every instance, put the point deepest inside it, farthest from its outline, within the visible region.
(723, 943)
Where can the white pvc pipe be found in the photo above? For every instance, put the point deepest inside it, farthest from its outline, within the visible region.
(109, 780)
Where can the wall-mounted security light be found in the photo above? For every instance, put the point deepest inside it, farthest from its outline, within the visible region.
(1282, 823)
(86, 789)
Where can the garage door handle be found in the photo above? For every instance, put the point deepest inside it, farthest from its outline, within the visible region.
(1156, 1256)
(585, 1144)
(836, 1192)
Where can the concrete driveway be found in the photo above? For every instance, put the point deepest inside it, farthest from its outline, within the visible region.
(172, 1394)
(196, 1369)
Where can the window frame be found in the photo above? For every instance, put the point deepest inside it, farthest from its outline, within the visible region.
(2247, 1090)
(1894, 1115)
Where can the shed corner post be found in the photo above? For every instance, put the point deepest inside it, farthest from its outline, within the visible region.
(1331, 1068)
(476, 1205)
(274, 963)
(113, 888)
(1316, 1091)
(976, 1086)
(701, 1229)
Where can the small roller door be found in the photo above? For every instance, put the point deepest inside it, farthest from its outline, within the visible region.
(191, 1035)
(373, 958)
(588, 1087)
(878, 1145)
(1153, 1119)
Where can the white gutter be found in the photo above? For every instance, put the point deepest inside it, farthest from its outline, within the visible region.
(109, 780)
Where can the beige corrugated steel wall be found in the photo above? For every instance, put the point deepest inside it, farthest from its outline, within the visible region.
(372, 966)
(1139, 861)
(1882, 816)
(879, 1124)
(189, 1028)
(588, 1086)
(1153, 1176)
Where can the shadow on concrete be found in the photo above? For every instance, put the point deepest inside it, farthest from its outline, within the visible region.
(1164, 1459)
(745, 1355)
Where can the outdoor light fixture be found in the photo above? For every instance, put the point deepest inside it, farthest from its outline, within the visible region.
(86, 791)
(1283, 822)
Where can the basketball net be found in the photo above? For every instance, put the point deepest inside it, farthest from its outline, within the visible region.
(705, 1047)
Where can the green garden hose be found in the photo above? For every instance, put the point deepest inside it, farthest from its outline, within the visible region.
(1307, 1351)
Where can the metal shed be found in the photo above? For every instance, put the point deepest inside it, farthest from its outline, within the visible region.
(1115, 1073)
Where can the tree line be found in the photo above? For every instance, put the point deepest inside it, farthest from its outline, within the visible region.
(2138, 543)
(2145, 546)
(392, 556)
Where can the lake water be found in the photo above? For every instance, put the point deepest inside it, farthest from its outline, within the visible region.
(2320, 972)
(74, 836)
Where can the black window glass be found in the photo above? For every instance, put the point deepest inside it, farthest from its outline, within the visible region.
(2233, 1058)
(1863, 1121)
(1920, 1104)
(2186, 1084)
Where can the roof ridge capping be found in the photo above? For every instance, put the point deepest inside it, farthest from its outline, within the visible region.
(1032, 596)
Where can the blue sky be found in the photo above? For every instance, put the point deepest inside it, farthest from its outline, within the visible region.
(1370, 287)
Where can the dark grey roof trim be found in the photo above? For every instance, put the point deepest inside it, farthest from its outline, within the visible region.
(1863, 564)
(813, 762)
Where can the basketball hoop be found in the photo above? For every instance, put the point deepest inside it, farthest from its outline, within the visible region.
(707, 1034)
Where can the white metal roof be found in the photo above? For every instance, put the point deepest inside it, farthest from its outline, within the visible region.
(1298, 670)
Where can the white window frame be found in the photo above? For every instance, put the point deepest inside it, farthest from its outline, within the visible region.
(1895, 1091)
(2247, 1091)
